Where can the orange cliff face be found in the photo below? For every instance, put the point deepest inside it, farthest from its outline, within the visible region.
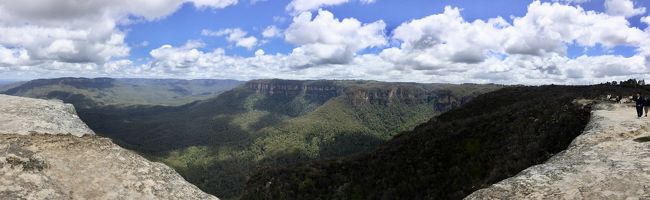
(313, 91)
(441, 99)
(293, 87)
(358, 94)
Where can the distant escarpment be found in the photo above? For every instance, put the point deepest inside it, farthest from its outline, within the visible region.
(311, 90)
(488, 139)
(79, 83)
(217, 143)
(48, 153)
(87, 93)
(358, 93)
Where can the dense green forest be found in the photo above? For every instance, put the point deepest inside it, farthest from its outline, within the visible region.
(273, 131)
(491, 138)
(217, 143)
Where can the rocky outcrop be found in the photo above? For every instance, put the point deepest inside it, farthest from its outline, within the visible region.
(610, 160)
(74, 163)
(90, 167)
(25, 116)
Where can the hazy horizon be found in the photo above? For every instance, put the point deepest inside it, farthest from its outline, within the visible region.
(9, 81)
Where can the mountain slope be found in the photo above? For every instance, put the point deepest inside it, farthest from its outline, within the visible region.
(74, 164)
(490, 138)
(90, 93)
(279, 105)
(609, 160)
(6, 85)
(218, 142)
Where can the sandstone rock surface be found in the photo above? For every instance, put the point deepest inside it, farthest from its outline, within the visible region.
(44, 166)
(24, 116)
(610, 160)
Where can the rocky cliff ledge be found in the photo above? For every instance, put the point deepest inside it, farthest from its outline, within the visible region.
(26, 116)
(65, 160)
(610, 160)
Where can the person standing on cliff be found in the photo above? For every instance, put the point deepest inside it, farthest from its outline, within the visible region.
(640, 103)
(646, 106)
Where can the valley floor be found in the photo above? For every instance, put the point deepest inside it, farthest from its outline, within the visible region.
(610, 160)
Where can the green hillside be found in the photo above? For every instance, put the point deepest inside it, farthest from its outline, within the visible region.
(6, 85)
(217, 143)
(91, 93)
(491, 138)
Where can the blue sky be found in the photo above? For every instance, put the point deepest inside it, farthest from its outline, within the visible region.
(502, 41)
(187, 23)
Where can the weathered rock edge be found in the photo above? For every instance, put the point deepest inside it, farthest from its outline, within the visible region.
(610, 160)
(58, 163)
(25, 116)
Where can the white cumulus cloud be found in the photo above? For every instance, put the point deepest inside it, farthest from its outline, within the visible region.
(328, 40)
(271, 32)
(298, 6)
(442, 47)
(76, 33)
(623, 8)
(237, 36)
(213, 3)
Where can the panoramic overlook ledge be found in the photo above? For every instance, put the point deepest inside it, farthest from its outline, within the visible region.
(26, 116)
(610, 160)
(47, 152)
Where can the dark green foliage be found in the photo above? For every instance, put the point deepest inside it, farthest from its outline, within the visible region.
(348, 143)
(487, 140)
(274, 123)
(630, 83)
(70, 97)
